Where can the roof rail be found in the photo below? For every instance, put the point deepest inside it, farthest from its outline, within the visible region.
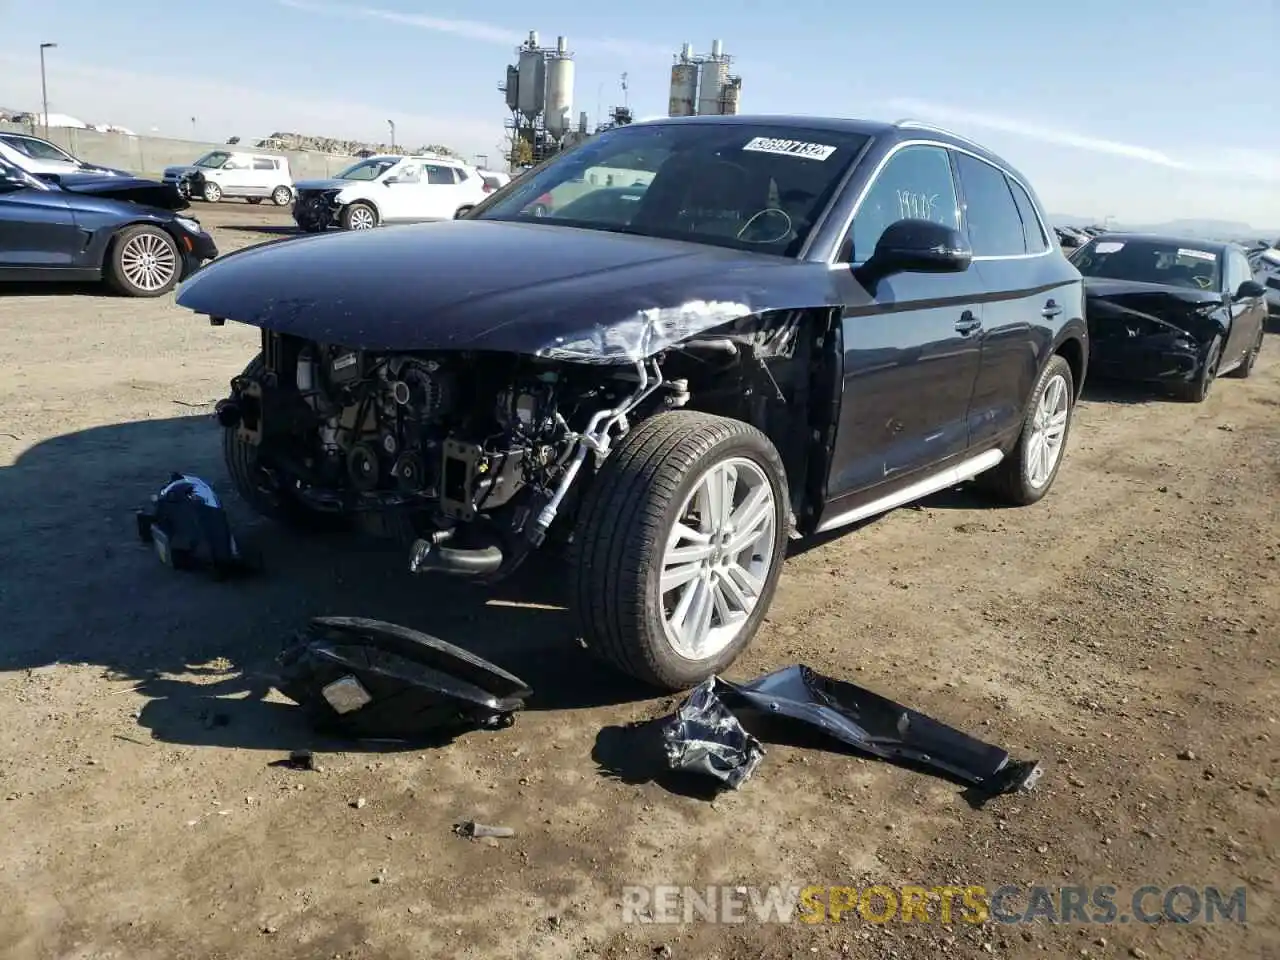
(907, 123)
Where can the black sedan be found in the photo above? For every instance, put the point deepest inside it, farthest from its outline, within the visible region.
(124, 230)
(1170, 310)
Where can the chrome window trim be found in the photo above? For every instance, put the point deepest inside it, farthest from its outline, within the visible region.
(902, 145)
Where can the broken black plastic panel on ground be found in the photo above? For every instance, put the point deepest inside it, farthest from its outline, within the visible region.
(707, 737)
(370, 679)
(186, 525)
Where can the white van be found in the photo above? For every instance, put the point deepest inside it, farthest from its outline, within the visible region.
(228, 173)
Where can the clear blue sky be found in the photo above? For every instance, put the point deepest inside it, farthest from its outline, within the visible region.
(1142, 109)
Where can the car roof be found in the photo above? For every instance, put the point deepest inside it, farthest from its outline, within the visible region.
(1217, 246)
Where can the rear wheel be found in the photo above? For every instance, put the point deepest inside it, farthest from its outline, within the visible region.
(144, 262)
(678, 547)
(212, 192)
(1025, 476)
(358, 216)
(1250, 358)
(1198, 389)
(282, 196)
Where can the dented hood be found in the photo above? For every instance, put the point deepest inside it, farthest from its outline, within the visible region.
(149, 193)
(541, 289)
(1180, 308)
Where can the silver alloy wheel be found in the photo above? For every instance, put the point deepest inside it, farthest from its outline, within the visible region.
(281, 196)
(717, 558)
(1048, 431)
(362, 219)
(148, 261)
(212, 192)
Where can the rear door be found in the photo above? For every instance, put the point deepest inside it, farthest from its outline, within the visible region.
(1028, 295)
(264, 177)
(911, 356)
(442, 189)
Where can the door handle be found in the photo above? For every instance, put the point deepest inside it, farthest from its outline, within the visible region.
(968, 324)
(1051, 310)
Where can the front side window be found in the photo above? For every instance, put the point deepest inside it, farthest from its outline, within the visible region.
(367, 169)
(915, 184)
(214, 160)
(995, 226)
(749, 186)
(38, 149)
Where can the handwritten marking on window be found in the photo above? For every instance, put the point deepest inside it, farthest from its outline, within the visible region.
(917, 206)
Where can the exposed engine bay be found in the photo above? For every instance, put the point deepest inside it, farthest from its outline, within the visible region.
(474, 451)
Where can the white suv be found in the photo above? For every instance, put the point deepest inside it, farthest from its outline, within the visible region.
(389, 189)
(226, 173)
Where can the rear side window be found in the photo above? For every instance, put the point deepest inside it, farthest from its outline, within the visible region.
(1032, 231)
(915, 184)
(995, 226)
(263, 164)
(437, 174)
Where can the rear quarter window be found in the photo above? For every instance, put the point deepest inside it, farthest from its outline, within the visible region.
(995, 226)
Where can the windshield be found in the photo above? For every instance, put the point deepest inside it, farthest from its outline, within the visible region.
(212, 161)
(747, 186)
(39, 149)
(1149, 261)
(367, 169)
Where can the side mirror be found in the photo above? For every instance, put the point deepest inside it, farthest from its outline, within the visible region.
(919, 246)
(1250, 289)
(390, 180)
(50, 177)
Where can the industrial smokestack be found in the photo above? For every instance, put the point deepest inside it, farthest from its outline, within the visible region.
(686, 52)
(562, 45)
(533, 38)
(717, 48)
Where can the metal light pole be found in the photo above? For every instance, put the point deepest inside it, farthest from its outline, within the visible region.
(44, 87)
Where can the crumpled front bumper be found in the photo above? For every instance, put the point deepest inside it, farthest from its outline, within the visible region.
(1162, 357)
(314, 209)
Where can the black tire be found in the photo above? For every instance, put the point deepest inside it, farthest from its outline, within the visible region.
(309, 226)
(211, 192)
(351, 211)
(1010, 481)
(253, 200)
(241, 460)
(282, 196)
(463, 210)
(1243, 371)
(1197, 390)
(158, 241)
(626, 516)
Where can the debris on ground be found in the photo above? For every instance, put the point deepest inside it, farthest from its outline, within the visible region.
(376, 680)
(186, 525)
(707, 737)
(474, 830)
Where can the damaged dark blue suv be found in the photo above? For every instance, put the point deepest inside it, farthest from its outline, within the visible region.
(669, 349)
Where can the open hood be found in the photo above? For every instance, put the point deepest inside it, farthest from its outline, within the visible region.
(542, 289)
(150, 193)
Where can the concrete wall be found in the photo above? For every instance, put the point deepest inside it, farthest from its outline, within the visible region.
(148, 156)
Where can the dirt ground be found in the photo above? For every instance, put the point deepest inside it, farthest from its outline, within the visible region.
(1125, 631)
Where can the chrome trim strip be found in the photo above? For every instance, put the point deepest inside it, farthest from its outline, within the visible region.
(965, 470)
(875, 175)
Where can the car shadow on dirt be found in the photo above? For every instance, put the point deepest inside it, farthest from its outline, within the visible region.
(78, 586)
(58, 288)
(268, 229)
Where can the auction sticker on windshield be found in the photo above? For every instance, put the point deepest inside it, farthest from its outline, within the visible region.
(1197, 254)
(790, 148)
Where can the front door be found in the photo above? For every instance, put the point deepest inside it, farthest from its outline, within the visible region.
(1247, 315)
(37, 228)
(405, 194)
(911, 355)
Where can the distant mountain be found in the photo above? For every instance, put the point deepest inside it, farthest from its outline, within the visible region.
(1205, 229)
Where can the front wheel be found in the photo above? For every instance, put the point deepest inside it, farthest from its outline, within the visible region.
(1197, 390)
(212, 192)
(678, 547)
(1025, 476)
(144, 262)
(358, 216)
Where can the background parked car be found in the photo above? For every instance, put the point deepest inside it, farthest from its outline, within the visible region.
(37, 155)
(1171, 310)
(124, 230)
(390, 188)
(1266, 270)
(222, 173)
